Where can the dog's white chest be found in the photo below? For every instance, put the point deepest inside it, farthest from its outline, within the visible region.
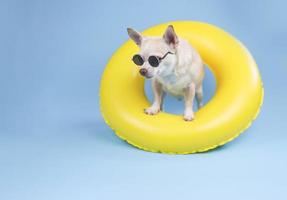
(175, 85)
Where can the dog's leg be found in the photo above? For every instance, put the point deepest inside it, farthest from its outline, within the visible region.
(158, 94)
(199, 96)
(189, 94)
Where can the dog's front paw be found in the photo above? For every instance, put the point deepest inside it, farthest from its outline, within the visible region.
(152, 110)
(188, 116)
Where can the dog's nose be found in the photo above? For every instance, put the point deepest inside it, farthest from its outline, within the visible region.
(143, 71)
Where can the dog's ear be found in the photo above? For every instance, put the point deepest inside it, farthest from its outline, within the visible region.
(170, 37)
(135, 36)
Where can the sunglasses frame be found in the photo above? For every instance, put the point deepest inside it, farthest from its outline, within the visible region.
(156, 64)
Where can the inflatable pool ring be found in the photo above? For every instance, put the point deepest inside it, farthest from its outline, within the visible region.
(236, 103)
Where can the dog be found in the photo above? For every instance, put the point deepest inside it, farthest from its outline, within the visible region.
(173, 66)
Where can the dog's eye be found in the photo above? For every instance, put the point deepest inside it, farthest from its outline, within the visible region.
(138, 60)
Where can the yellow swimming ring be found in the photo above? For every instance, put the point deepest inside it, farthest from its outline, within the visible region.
(236, 103)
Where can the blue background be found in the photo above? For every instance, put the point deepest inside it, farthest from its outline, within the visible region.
(54, 143)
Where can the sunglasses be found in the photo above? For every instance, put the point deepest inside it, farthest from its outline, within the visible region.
(154, 61)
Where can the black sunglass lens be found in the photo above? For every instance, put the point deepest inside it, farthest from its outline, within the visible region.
(138, 60)
(153, 61)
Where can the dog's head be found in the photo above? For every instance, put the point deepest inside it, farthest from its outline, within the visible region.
(157, 54)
